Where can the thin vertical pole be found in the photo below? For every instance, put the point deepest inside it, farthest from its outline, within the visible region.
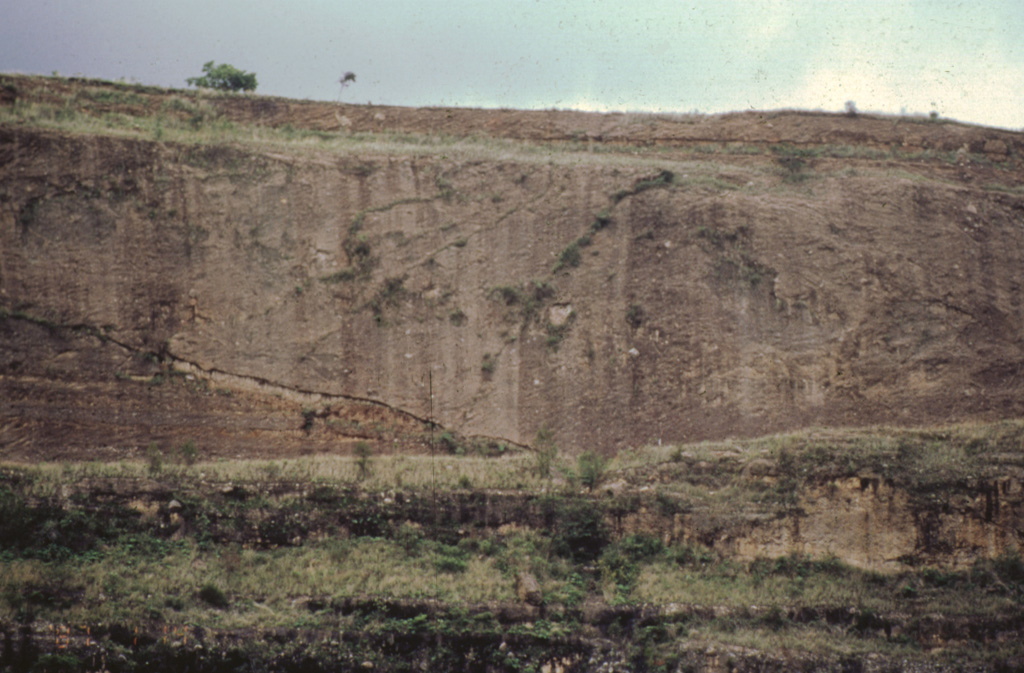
(433, 469)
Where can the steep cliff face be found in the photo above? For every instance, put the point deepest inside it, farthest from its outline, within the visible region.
(614, 297)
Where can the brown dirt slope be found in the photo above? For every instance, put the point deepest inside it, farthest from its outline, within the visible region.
(617, 279)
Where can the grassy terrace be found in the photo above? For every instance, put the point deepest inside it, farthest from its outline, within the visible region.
(192, 117)
(321, 543)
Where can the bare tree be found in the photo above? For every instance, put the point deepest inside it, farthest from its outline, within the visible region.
(349, 76)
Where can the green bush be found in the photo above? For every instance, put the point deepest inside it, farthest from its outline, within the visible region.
(591, 469)
(224, 77)
(48, 532)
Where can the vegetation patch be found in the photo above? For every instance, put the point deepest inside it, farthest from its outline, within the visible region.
(569, 257)
(525, 300)
(665, 178)
(733, 260)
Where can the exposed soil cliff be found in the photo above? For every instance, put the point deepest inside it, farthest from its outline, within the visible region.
(792, 270)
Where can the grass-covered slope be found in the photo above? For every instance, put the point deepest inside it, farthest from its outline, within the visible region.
(508, 563)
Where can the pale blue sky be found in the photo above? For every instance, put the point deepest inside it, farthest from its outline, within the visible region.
(964, 60)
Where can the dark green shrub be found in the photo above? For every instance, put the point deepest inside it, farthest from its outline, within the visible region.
(775, 619)
(578, 529)
(308, 420)
(601, 220)
(457, 317)
(662, 179)
(507, 293)
(621, 562)
(575, 590)
(570, 256)
(641, 546)
(794, 168)
(213, 595)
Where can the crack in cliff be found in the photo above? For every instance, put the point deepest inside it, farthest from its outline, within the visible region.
(501, 218)
(261, 384)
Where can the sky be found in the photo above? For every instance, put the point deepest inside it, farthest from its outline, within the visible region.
(963, 60)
